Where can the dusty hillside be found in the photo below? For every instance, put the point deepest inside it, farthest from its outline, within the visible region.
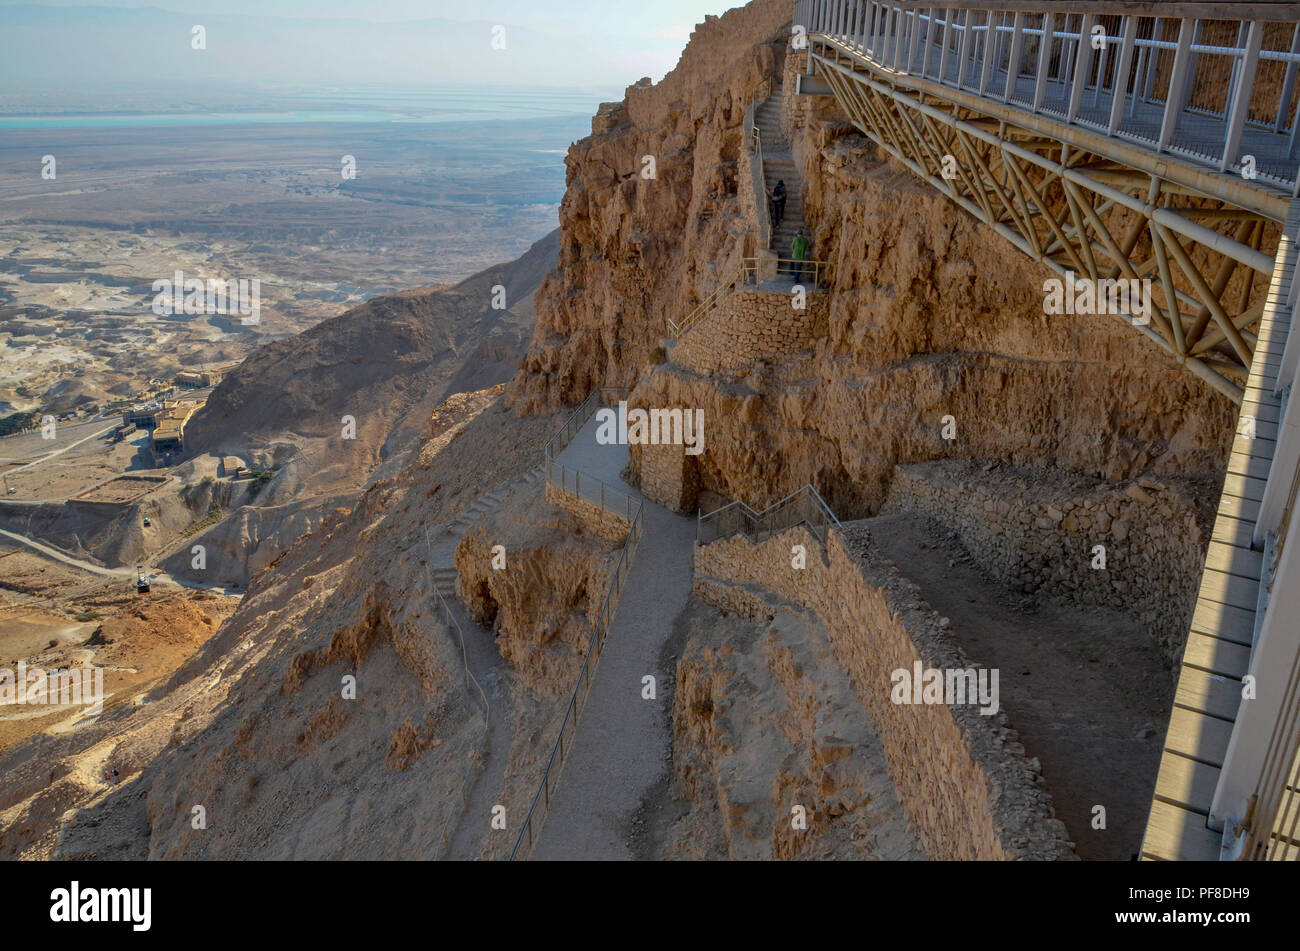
(386, 363)
(256, 727)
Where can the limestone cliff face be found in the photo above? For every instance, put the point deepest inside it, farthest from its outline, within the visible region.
(634, 250)
(931, 313)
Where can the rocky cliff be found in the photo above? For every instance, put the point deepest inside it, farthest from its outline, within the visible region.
(651, 217)
(931, 314)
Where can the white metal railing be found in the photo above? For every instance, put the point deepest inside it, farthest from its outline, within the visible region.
(1220, 92)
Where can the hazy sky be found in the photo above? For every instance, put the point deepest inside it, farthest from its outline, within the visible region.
(548, 42)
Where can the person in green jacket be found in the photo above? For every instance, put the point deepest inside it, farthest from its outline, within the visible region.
(799, 251)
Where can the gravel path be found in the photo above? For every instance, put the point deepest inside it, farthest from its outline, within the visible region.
(621, 742)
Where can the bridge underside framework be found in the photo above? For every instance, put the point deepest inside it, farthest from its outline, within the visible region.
(1085, 205)
(1115, 142)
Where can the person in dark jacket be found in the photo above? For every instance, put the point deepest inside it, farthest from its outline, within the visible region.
(778, 203)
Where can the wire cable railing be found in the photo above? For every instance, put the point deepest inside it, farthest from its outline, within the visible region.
(804, 506)
(471, 682)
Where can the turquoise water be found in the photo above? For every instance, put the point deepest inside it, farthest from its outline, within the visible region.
(424, 105)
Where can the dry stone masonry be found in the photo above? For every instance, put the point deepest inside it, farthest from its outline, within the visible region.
(601, 521)
(1038, 533)
(962, 778)
(749, 326)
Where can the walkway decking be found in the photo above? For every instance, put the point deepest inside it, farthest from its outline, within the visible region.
(1223, 625)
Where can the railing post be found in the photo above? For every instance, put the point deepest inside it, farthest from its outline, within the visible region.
(1013, 61)
(1120, 91)
(914, 28)
(967, 36)
(1148, 83)
(945, 41)
(990, 52)
(1083, 65)
(929, 41)
(1240, 95)
(1193, 63)
(1101, 73)
(1177, 84)
(1044, 61)
(900, 37)
(1288, 82)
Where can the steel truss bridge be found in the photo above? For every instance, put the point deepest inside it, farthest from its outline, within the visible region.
(1111, 146)
(1150, 142)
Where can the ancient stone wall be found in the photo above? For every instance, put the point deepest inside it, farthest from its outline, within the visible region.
(668, 476)
(751, 325)
(962, 778)
(600, 521)
(1038, 532)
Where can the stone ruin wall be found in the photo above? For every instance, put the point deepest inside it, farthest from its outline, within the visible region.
(962, 778)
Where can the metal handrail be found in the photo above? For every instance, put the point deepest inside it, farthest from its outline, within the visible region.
(460, 636)
(817, 268)
(541, 804)
(601, 494)
(804, 506)
(675, 330)
(573, 425)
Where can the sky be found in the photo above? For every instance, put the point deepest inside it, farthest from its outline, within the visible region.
(598, 43)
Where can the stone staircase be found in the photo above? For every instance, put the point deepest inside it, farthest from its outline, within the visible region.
(778, 165)
(444, 571)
